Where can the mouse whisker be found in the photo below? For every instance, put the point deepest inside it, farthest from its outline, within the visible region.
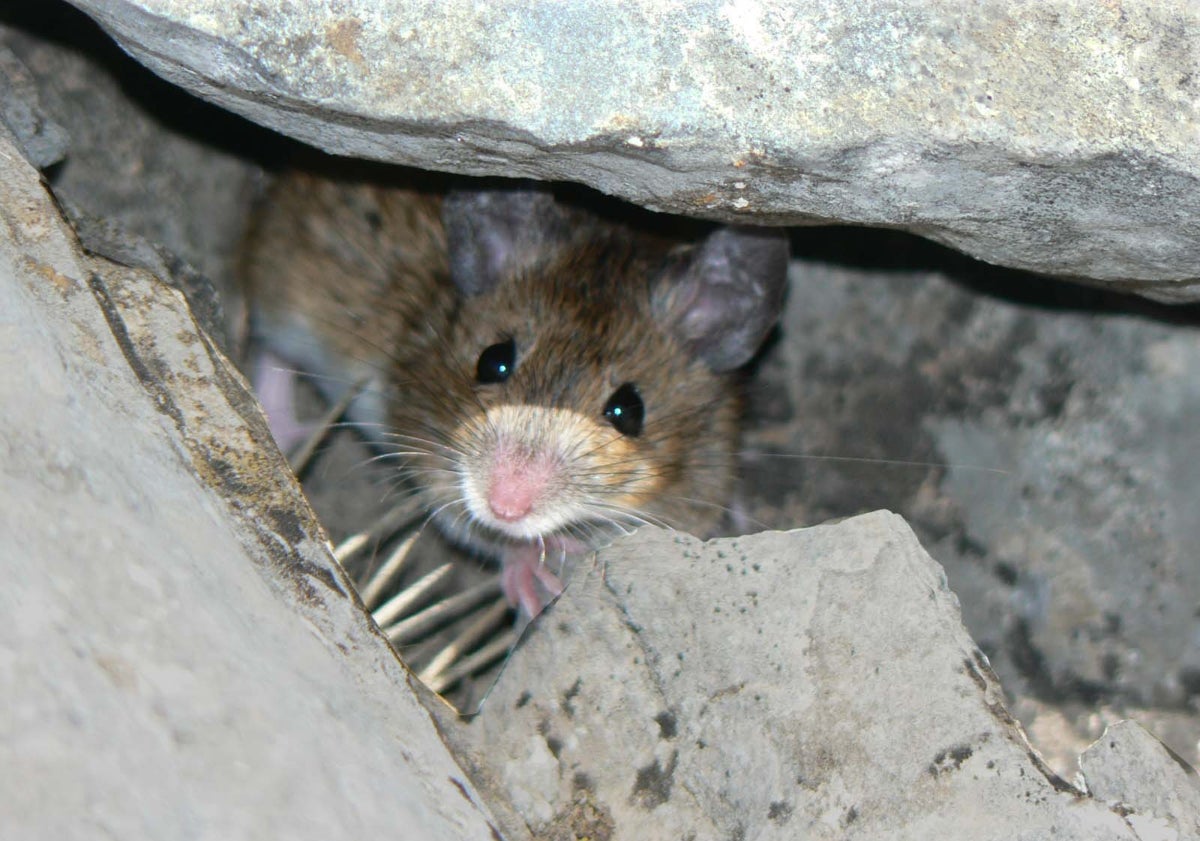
(596, 509)
(405, 459)
(637, 518)
(751, 455)
(727, 510)
(393, 435)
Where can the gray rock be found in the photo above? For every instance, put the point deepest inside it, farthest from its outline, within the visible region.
(1037, 450)
(881, 364)
(1073, 556)
(812, 684)
(181, 656)
(1057, 137)
(40, 138)
(1158, 795)
(144, 158)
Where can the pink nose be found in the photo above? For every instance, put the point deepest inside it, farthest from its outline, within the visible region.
(515, 487)
(510, 502)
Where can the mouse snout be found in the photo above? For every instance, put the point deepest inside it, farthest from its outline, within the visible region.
(526, 469)
(518, 481)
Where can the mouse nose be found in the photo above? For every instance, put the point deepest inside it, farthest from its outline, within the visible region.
(515, 487)
(509, 507)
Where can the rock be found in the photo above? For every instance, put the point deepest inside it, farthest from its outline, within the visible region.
(1033, 443)
(1072, 554)
(144, 157)
(181, 656)
(1056, 137)
(812, 684)
(1158, 795)
(1083, 411)
(42, 140)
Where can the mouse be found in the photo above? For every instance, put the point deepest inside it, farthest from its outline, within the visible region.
(545, 376)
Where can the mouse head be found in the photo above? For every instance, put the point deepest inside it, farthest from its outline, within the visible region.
(591, 367)
(720, 298)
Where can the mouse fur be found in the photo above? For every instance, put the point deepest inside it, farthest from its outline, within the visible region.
(601, 322)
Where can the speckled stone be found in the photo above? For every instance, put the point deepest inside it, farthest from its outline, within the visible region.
(1058, 137)
(810, 684)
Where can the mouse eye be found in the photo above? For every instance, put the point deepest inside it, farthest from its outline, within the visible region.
(496, 363)
(625, 410)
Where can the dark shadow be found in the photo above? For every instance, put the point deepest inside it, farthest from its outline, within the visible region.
(892, 251)
(174, 108)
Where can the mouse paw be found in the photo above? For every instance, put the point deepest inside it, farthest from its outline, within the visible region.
(527, 581)
(275, 384)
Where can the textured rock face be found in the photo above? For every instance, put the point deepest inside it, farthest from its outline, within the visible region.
(1127, 766)
(1051, 136)
(813, 684)
(1077, 557)
(1036, 449)
(180, 656)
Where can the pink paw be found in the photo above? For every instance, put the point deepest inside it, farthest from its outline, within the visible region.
(275, 385)
(526, 579)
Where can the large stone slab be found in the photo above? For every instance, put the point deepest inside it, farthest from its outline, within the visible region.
(1052, 136)
(180, 655)
(812, 684)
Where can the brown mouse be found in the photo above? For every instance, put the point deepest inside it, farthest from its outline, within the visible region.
(546, 376)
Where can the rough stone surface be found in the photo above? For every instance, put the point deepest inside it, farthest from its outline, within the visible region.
(821, 685)
(141, 156)
(181, 656)
(1055, 136)
(1037, 448)
(38, 136)
(1131, 770)
(1074, 565)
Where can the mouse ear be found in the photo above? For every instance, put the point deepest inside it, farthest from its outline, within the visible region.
(726, 297)
(492, 234)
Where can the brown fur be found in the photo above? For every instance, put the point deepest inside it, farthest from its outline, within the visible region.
(361, 266)
(363, 270)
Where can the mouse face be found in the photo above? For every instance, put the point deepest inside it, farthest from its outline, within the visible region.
(544, 375)
(564, 406)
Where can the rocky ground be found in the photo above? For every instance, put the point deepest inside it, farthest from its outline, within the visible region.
(1056, 423)
(1039, 436)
